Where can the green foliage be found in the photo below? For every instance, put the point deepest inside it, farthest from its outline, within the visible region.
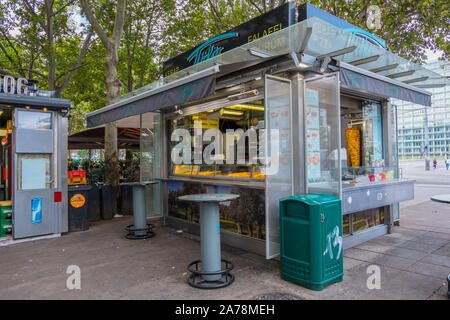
(95, 173)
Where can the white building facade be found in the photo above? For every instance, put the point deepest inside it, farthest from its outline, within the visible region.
(410, 125)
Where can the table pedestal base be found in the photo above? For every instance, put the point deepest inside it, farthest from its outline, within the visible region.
(197, 278)
(139, 233)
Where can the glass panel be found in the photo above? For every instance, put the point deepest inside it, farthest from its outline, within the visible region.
(322, 135)
(394, 141)
(367, 219)
(34, 171)
(363, 159)
(237, 154)
(278, 156)
(346, 224)
(372, 141)
(150, 160)
(34, 120)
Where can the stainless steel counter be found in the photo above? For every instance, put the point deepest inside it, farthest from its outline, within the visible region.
(373, 195)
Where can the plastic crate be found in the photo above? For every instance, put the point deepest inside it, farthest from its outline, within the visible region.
(5, 213)
(76, 180)
(76, 174)
(5, 229)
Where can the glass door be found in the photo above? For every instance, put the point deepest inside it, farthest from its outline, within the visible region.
(322, 135)
(277, 155)
(150, 160)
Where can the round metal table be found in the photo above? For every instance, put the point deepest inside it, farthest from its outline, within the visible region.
(445, 198)
(211, 275)
(140, 229)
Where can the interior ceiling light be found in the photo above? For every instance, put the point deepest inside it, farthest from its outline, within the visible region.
(246, 107)
(226, 114)
(246, 94)
(232, 112)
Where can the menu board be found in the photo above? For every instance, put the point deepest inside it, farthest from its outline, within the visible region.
(372, 135)
(312, 135)
(280, 118)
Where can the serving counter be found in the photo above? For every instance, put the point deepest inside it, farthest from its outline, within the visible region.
(377, 194)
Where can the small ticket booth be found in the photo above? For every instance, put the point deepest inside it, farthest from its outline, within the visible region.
(308, 105)
(33, 129)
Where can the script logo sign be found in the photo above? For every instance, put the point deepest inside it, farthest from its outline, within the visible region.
(210, 49)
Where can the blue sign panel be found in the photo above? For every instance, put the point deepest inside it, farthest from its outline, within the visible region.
(36, 210)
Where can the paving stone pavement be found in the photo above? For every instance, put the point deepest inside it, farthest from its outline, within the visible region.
(414, 264)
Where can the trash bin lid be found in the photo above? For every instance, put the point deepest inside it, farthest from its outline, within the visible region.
(80, 188)
(312, 199)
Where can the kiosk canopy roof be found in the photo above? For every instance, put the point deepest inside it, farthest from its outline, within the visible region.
(319, 39)
(325, 38)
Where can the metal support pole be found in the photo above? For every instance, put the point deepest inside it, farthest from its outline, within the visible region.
(427, 147)
(139, 212)
(210, 239)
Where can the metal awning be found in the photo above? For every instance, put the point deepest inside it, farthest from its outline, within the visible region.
(357, 78)
(180, 91)
(190, 88)
(34, 101)
(127, 138)
(313, 37)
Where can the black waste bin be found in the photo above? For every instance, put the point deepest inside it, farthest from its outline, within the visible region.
(94, 207)
(78, 207)
(109, 201)
(126, 199)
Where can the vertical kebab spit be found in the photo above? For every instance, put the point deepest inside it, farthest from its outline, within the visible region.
(353, 146)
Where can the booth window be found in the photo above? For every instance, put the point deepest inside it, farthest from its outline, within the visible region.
(364, 160)
(34, 120)
(34, 171)
(238, 117)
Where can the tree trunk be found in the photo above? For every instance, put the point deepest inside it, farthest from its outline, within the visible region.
(50, 46)
(112, 91)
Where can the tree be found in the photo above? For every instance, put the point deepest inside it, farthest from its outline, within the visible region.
(144, 25)
(111, 42)
(35, 36)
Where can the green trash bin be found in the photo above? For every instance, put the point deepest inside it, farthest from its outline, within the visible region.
(311, 240)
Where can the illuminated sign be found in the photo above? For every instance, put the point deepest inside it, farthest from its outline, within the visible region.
(263, 25)
(12, 85)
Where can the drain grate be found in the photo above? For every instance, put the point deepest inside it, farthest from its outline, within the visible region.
(277, 296)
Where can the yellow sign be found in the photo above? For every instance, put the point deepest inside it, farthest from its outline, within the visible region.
(267, 31)
(77, 201)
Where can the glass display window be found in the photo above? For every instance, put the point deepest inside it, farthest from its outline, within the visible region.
(367, 219)
(224, 142)
(34, 120)
(364, 158)
(34, 171)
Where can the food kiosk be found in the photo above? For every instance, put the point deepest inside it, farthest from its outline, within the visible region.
(33, 160)
(307, 105)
